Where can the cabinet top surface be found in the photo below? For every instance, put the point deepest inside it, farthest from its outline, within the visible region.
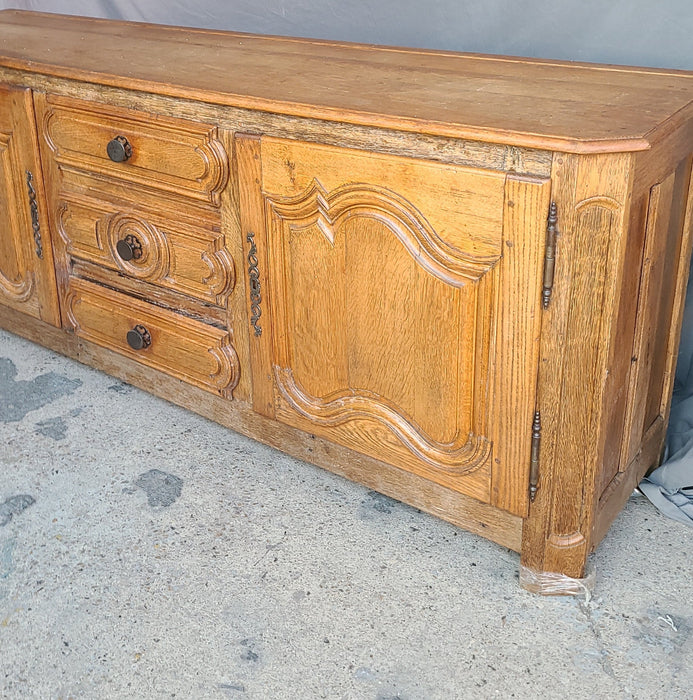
(526, 102)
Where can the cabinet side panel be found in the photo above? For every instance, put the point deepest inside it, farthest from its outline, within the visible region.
(664, 301)
(642, 449)
(645, 343)
(654, 344)
(620, 367)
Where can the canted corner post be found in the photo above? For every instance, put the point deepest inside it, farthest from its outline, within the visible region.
(580, 396)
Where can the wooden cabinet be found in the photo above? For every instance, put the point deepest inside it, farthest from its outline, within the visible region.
(27, 278)
(456, 279)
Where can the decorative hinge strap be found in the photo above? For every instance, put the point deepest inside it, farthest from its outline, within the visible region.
(534, 460)
(33, 205)
(254, 277)
(549, 255)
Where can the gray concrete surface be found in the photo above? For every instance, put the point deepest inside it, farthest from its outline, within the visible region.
(148, 553)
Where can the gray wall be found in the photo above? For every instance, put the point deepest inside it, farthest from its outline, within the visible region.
(633, 32)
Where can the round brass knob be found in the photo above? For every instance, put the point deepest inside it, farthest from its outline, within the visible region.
(129, 248)
(119, 149)
(138, 338)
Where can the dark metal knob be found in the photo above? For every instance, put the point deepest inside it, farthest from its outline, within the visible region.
(119, 149)
(139, 338)
(129, 248)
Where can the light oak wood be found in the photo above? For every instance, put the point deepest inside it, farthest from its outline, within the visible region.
(344, 249)
(155, 294)
(255, 265)
(185, 254)
(388, 279)
(446, 150)
(182, 157)
(517, 338)
(27, 278)
(190, 350)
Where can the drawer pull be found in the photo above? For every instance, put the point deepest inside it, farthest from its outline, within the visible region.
(119, 149)
(138, 338)
(129, 248)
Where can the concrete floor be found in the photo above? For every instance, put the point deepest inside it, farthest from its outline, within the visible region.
(158, 555)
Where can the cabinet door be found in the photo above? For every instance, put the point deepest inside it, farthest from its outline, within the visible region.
(27, 277)
(395, 308)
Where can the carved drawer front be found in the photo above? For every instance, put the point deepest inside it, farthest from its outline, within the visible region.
(178, 156)
(190, 350)
(394, 307)
(186, 254)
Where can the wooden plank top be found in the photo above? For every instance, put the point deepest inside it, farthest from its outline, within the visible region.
(574, 107)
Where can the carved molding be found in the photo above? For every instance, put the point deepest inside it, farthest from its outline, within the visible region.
(330, 210)
(599, 201)
(18, 291)
(228, 373)
(161, 250)
(222, 272)
(71, 300)
(63, 217)
(216, 175)
(462, 456)
(573, 539)
(316, 208)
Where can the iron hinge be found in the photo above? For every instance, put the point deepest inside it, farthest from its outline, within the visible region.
(549, 255)
(534, 459)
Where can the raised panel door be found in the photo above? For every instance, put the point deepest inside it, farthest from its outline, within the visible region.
(27, 278)
(399, 308)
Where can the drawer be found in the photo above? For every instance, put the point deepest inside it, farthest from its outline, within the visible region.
(174, 155)
(187, 254)
(190, 350)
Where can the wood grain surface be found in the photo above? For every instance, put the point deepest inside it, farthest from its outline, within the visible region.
(544, 104)
(404, 300)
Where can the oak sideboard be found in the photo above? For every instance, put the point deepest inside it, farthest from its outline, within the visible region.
(457, 279)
